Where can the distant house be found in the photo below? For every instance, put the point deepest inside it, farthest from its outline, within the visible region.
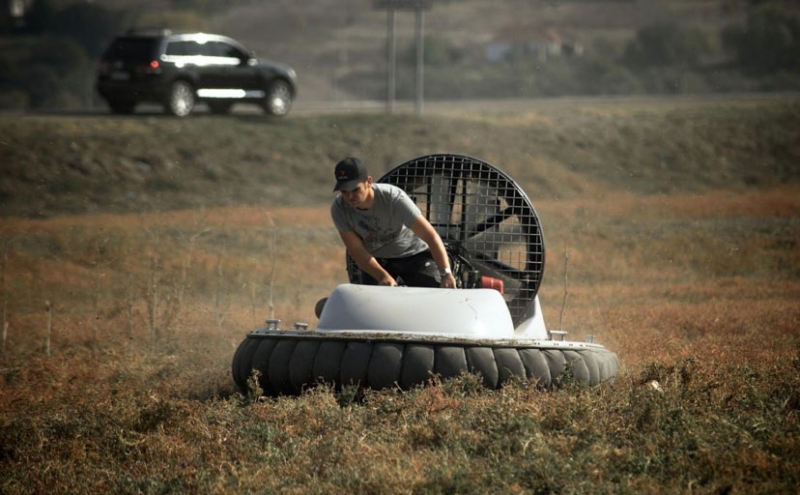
(18, 8)
(540, 42)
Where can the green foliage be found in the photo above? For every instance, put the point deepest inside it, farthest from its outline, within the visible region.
(14, 99)
(39, 18)
(6, 22)
(163, 184)
(60, 55)
(174, 19)
(348, 395)
(437, 51)
(90, 25)
(207, 6)
(666, 44)
(602, 76)
(50, 73)
(254, 390)
(54, 68)
(769, 42)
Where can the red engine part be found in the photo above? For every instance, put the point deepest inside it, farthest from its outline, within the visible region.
(492, 283)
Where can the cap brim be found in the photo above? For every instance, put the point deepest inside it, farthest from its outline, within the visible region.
(346, 185)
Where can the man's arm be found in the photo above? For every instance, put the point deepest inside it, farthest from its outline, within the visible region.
(365, 260)
(425, 231)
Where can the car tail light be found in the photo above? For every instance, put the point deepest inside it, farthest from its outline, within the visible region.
(152, 67)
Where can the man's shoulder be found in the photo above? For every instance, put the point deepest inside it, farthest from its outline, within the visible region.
(394, 199)
(388, 191)
(383, 187)
(338, 206)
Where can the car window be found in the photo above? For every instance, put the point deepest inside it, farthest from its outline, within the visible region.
(205, 49)
(181, 48)
(232, 51)
(222, 49)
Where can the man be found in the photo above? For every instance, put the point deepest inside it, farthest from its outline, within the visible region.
(385, 232)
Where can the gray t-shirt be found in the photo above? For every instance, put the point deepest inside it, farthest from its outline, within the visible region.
(385, 227)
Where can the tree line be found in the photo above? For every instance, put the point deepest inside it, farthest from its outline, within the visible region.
(48, 60)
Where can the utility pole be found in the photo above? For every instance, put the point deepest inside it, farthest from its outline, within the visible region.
(391, 6)
(391, 58)
(420, 72)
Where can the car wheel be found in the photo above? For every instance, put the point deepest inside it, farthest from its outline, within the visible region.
(279, 98)
(181, 99)
(219, 107)
(124, 107)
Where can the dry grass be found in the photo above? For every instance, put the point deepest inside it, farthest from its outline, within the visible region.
(596, 149)
(696, 289)
(711, 318)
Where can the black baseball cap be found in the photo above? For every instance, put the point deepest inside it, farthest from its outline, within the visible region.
(349, 172)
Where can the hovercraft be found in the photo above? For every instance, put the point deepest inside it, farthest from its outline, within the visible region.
(492, 325)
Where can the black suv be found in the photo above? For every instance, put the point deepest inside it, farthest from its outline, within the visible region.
(178, 70)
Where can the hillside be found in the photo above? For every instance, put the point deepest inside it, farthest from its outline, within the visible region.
(561, 149)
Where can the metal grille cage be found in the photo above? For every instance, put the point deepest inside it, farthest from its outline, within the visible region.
(486, 221)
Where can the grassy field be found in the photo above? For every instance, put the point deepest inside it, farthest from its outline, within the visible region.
(675, 222)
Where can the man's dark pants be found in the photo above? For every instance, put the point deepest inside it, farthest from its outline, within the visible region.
(418, 270)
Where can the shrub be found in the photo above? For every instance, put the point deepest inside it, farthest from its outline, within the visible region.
(89, 25)
(768, 43)
(601, 76)
(666, 44)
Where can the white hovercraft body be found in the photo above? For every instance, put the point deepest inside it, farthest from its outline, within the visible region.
(480, 314)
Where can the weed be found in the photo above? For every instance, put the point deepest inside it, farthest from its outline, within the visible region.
(254, 390)
(464, 385)
(696, 293)
(349, 394)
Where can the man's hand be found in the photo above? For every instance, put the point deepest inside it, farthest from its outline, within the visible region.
(448, 281)
(365, 261)
(427, 233)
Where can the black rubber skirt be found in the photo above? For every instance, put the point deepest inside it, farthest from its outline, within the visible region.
(289, 362)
